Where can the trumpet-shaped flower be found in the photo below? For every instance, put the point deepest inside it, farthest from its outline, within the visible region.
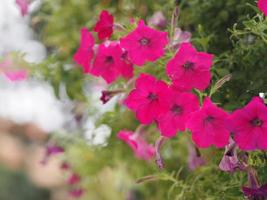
(110, 63)
(104, 26)
(249, 125)
(190, 69)
(144, 44)
(181, 105)
(140, 147)
(208, 126)
(149, 98)
(85, 52)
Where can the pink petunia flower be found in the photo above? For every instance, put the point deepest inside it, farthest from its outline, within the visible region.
(104, 26)
(24, 6)
(144, 44)
(12, 70)
(249, 125)
(189, 68)
(74, 179)
(85, 53)
(181, 105)
(149, 99)
(51, 150)
(76, 193)
(140, 147)
(110, 63)
(262, 5)
(194, 158)
(208, 126)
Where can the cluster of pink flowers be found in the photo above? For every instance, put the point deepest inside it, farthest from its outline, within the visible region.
(74, 179)
(174, 106)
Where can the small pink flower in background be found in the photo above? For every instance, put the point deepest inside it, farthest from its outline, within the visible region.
(230, 161)
(180, 37)
(140, 147)
(181, 105)
(24, 6)
(249, 125)
(104, 26)
(51, 150)
(85, 53)
(158, 20)
(76, 193)
(74, 179)
(194, 159)
(207, 126)
(12, 70)
(110, 63)
(190, 69)
(149, 98)
(262, 5)
(144, 44)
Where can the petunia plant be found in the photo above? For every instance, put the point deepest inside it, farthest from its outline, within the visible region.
(179, 82)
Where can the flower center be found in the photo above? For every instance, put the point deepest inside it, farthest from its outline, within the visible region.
(152, 96)
(256, 122)
(144, 41)
(177, 110)
(208, 119)
(189, 65)
(109, 60)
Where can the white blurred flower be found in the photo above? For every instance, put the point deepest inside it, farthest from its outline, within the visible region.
(96, 136)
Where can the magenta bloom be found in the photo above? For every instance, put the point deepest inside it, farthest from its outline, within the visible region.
(189, 68)
(149, 99)
(262, 5)
(51, 150)
(208, 126)
(249, 125)
(74, 179)
(144, 44)
(140, 147)
(24, 6)
(85, 53)
(110, 63)
(104, 26)
(76, 193)
(181, 105)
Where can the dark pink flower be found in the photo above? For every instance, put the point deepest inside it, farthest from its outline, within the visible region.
(149, 99)
(104, 26)
(85, 53)
(208, 126)
(249, 125)
(144, 44)
(255, 193)
(74, 179)
(110, 63)
(107, 95)
(181, 105)
(140, 147)
(24, 6)
(76, 193)
(262, 5)
(51, 150)
(190, 69)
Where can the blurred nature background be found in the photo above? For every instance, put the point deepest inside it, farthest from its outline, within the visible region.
(58, 103)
